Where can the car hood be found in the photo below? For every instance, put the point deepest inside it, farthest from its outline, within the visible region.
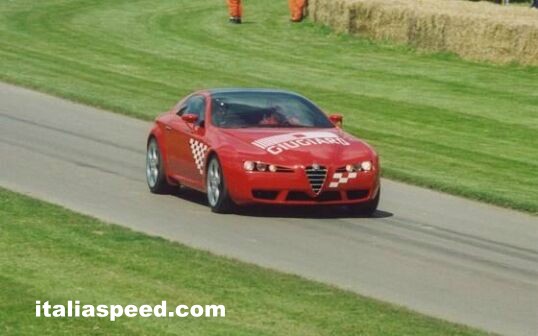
(299, 146)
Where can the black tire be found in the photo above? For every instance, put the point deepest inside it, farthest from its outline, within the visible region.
(366, 209)
(220, 202)
(155, 174)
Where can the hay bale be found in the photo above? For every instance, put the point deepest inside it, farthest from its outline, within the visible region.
(473, 30)
(335, 13)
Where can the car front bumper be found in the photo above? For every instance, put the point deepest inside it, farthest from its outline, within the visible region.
(296, 188)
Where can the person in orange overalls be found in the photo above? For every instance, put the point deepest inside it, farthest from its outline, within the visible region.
(297, 8)
(236, 11)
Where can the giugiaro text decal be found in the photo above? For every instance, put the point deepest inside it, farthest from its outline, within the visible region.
(280, 143)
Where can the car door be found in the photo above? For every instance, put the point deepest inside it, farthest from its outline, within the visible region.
(185, 143)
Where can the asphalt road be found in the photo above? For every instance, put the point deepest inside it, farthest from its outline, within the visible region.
(441, 255)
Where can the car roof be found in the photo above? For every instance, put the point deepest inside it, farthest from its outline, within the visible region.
(253, 90)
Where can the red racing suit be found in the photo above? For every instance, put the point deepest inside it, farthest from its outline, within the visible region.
(297, 8)
(235, 8)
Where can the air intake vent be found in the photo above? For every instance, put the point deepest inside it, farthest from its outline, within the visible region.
(316, 176)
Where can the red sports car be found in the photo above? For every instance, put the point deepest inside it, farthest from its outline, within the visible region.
(246, 146)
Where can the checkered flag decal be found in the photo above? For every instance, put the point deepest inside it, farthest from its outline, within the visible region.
(341, 178)
(198, 152)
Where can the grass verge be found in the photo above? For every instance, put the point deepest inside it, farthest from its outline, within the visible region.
(50, 253)
(465, 128)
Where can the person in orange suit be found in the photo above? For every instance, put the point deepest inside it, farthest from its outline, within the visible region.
(297, 8)
(236, 11)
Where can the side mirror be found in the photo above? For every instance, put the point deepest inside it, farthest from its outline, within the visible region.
(190, 118)
(337, 120)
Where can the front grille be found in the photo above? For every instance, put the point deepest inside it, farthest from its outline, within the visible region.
(327, 196)
(330, 196)
(357, 194)
(298, 196)
(316, 177)
(265, 194)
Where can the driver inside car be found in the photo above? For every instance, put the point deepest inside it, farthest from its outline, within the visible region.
(273, 117)
(219, 112)
(269, 119)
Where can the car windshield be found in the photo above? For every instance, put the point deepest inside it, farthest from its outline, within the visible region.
(265, 109)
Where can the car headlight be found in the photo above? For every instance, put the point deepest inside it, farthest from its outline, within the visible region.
(366, 165)
(363, 166)
(259, 166)
(249, 165)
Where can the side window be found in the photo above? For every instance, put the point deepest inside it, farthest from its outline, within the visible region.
(182, 109)
(196, 105)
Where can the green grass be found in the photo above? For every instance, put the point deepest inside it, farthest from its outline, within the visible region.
(49, 253)
(465, 128)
